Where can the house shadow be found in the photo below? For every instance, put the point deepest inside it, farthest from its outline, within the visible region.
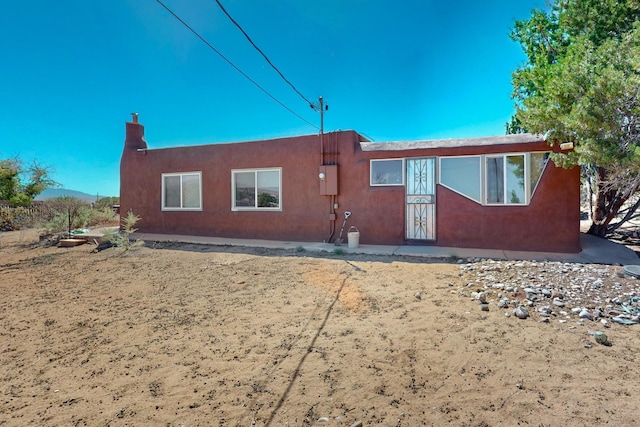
(338, 253)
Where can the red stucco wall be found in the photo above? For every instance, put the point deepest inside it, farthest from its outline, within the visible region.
(304, 215)
(549, 223)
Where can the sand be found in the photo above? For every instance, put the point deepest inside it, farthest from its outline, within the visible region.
(188, 335)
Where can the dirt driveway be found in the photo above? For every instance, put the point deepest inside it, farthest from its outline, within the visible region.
(191, 335)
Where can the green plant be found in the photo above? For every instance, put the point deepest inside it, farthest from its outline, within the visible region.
(105, 216)
(107, 202)
(579, 85)
(58, 212)
(299, 249)
(338, 251)
(56, 224)
(20, 200)
(122, 239)
(19, 184)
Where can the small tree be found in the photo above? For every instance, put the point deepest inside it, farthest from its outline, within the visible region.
(20, 184)
(581, 84)
(122, 239)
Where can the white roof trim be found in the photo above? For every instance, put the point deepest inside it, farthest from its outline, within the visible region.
(519, 138)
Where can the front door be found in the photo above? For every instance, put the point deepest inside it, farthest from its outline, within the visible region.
(421, 199)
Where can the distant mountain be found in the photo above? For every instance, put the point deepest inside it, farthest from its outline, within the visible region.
(51, 193)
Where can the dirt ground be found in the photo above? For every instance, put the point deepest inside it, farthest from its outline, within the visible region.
(188, 335)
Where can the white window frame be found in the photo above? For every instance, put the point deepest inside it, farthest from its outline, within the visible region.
(479, 177)
(255, 207)
(402, 172)
(528, 191)
(505, 195)
(181, 175)
(544, 167)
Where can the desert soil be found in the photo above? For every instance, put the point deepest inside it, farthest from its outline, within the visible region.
(186, 335)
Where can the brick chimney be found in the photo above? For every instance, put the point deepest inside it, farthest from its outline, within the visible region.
(134, 135)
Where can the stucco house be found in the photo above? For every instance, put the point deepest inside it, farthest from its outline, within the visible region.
(499, 192)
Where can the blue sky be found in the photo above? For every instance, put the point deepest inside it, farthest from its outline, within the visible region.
(73, 71)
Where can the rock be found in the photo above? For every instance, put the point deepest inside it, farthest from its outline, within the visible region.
(357, 424)
(545, 311)
(601, 338)
(596, 289)
(482, 297)
(521, 312)
(584, 314)
(323, 420)
(484, 307)
(418, 295)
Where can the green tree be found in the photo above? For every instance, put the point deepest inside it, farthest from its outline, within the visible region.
(20, 184)
(107, 202)
(514, 126)
(581, 84)
(9, 178)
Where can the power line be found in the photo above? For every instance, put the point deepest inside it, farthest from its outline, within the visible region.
(210, 46)
(311, 104)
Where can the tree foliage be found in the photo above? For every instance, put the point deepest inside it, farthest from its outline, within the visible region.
(107, 202)
(19, 184)
(581, 84)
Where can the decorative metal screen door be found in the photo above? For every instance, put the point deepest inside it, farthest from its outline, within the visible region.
(421, 199)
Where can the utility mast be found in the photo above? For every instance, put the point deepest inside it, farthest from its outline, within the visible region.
(321, 108)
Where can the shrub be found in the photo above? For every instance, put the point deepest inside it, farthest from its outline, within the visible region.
(16, 218)
(20, 200)
(107, 202)
(122, 238)
(57, 213)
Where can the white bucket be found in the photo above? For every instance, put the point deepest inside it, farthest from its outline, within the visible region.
(353, 237)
